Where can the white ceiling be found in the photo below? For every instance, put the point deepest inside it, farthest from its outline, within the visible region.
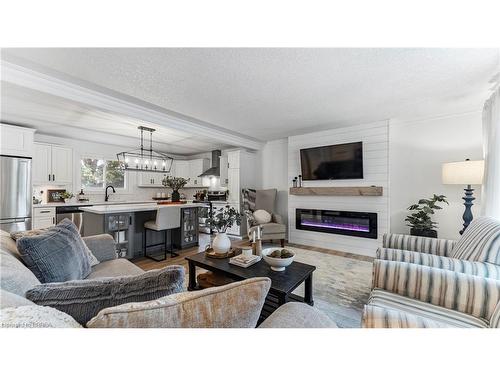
(52, 115)
(272, 93)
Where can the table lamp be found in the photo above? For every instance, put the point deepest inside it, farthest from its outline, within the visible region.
(468, 172)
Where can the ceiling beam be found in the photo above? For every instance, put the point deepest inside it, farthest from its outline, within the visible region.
(120, 104)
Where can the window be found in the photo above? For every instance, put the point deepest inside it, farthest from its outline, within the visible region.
(98, 173)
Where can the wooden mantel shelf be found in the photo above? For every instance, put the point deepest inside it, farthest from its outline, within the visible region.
(365, 191)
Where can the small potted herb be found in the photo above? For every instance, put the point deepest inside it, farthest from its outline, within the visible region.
(175, 183)
(66, 195)
(220, 221)
(420, 221)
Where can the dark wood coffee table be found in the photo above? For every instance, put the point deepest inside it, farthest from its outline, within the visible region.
(282, 283)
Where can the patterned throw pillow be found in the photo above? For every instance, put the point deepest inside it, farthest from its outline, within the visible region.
(480, 242)
(35, 232)
(58, 254)
(83, 299)
(250, 218)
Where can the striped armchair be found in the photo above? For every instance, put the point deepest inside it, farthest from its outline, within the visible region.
(476, 253)
(407, 295)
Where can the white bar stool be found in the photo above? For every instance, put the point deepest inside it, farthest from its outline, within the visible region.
(167, 218)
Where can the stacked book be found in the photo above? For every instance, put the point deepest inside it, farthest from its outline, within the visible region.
(244, 260)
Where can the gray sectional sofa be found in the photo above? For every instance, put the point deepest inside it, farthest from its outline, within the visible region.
(207, 308)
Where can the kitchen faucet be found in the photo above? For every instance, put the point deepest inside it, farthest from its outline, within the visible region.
(106, 196)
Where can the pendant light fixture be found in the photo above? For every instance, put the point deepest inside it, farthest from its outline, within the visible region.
(144, 159)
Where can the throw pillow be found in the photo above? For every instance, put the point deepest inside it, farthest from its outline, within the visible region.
(58, 254)
(235, 305)
(85, 298)
(262, 217)
(33, 316)
(8, 299)
(250, 218)
(480, 242)
(35, 232)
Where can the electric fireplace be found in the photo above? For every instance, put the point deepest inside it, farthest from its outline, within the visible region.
(348, 223)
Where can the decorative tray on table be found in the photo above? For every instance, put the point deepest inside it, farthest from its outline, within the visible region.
(210, 252)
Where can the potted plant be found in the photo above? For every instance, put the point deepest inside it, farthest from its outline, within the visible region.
(420, 221)
(220, 221)
(66, 195)
(175, 183)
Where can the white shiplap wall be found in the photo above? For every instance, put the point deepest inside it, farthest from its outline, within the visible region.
(375, 138)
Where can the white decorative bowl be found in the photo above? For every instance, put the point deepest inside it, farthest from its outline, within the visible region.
(277, 264)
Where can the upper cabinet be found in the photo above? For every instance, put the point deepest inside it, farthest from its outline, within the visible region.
(233, 159)
(52, 165)
(16, 140)
(181, 168)
(154, 179)
(197, 167)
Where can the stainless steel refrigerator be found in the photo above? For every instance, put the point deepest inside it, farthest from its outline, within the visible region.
(15, 193)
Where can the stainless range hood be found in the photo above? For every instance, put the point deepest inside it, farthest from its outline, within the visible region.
(214, 170)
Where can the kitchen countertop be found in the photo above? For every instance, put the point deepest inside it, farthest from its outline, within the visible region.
(72, 204)
(127, 207)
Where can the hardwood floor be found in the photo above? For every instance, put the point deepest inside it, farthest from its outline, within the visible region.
(148, 264)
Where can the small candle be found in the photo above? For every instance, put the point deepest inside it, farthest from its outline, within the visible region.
(253, 236)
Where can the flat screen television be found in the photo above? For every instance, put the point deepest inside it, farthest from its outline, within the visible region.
(335, 162)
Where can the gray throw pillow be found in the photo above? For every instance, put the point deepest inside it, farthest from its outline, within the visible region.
(35, 232)
(58, 254)
(84, 299)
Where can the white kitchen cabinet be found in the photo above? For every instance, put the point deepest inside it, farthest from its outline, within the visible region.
(44, 217)
(62, 165)
(223, 171)
(16, 140)
(42, 163)
(151, 179)
(52, 165)
(182, 168)
(241, 174)
(233, 159)
(233, 186)
(197, 167)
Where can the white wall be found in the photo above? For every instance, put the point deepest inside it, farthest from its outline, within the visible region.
(375, 164)
(417, 151)
(274, 173)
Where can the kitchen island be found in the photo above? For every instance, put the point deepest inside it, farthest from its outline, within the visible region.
(125, 222)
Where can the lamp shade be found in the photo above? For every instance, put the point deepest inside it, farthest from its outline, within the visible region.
(469, 172)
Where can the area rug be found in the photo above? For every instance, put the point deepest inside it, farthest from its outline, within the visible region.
(341, 285)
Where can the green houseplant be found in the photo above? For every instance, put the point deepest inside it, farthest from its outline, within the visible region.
(420, 221)
(66, 195)
(175, 183)
(220, 221)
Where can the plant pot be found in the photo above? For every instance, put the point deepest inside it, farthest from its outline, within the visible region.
(222, 243)
(424, 232)
(176, 197)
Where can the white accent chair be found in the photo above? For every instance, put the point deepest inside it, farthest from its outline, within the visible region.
(167, 218)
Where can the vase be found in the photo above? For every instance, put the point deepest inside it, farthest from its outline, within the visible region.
(176, 197)
(222, 243)
(424, 232)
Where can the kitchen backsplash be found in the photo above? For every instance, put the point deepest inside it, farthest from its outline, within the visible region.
(135, 195)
